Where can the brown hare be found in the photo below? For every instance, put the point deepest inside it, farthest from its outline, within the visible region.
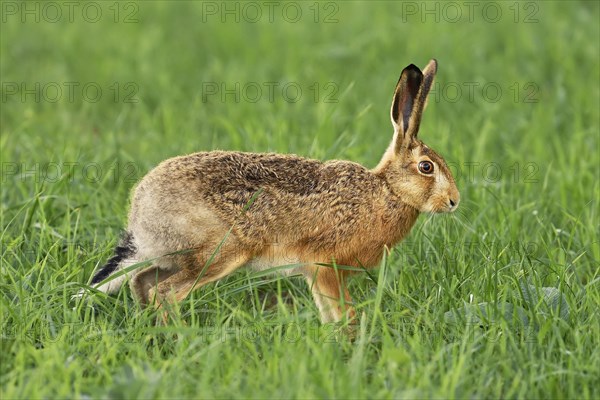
(202, 216)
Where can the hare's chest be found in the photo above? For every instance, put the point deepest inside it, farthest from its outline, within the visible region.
(369, 255)
(367, 250)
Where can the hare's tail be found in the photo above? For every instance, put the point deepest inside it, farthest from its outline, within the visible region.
(124, 256)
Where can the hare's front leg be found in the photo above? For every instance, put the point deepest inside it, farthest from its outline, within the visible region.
(331, 295)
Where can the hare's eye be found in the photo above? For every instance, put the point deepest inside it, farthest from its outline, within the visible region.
(426, 167)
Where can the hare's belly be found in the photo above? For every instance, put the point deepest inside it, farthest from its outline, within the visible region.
(282, 265)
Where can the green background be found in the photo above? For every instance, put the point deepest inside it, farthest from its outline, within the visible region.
(515, 112)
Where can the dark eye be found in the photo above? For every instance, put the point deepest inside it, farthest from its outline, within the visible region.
(426, 167)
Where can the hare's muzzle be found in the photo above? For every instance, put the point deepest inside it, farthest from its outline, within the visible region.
(453, 200)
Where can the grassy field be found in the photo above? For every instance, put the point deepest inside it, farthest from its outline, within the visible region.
(96, 94)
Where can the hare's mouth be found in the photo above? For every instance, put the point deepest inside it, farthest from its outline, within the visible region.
(449, 207)
(439, 206)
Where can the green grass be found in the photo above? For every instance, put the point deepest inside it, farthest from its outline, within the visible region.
(257, 336)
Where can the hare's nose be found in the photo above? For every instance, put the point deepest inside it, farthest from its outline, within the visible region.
(453, 199)
(453, 203)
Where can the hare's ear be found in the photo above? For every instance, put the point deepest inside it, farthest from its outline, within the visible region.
(409, 101)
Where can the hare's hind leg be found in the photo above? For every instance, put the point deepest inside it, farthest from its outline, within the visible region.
(331, 295)
(180, 284)
(144, 281)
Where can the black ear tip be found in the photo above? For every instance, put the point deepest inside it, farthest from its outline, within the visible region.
(412, 74)
(412, 68)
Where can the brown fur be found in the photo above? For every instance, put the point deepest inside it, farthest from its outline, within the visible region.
(223, 210)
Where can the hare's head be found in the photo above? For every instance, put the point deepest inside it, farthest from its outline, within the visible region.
(414, 172)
